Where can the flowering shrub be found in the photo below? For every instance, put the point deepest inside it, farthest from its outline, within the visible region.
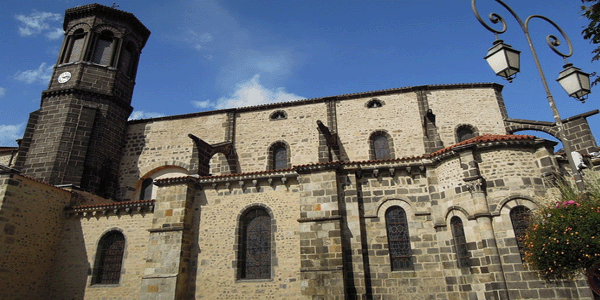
(563, 239)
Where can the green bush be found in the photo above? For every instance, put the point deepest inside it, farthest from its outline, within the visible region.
(563, 239)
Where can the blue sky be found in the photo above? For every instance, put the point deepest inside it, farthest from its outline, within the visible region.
(205, 55)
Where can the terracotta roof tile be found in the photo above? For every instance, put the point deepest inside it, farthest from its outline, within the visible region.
(486, 138)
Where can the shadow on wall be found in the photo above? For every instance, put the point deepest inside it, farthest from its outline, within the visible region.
(200, 200)
(71, 266)
(129, 172)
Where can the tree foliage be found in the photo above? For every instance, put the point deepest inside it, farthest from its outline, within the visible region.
(563, 239)
(591, 10)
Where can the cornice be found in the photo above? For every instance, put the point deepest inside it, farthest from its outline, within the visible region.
(101, 10)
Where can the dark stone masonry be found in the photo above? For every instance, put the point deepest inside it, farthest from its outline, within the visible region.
(279, 201)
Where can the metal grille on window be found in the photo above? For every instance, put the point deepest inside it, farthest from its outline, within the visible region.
(110, 258)
(460, 242)
(256, 245)
(280, 158)
(398, 239)
(381, 148)
(519, 217)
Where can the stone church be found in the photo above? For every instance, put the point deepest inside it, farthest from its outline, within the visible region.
(280, 201)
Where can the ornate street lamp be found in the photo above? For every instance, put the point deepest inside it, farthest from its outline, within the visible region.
(575, 82)
(504, 60)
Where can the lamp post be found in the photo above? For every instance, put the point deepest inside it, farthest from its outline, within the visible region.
(504, 60)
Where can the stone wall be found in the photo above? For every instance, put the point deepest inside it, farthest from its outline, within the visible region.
(72, 277)
(218, 210)
(6, 158)
(255, 132)
(164, 141)
(153, 144)
(481, 108)
(31, 227)
(399, 117)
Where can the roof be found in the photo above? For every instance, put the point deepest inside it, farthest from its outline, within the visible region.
(328, 98)
(486, 138)
(8, 149)
(101, 10)
(482, 139)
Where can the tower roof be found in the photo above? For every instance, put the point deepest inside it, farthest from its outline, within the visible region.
(101, 10)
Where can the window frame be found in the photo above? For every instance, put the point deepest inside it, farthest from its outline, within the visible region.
(275, 163)
(146, 189)
(108, 242)
(128, 69)
(461, 137)
(278, 115)
(399, 247)
(374, 150)
(77, 35)
(374, 103)
(520, 217)
(461, 248)
(247, 218)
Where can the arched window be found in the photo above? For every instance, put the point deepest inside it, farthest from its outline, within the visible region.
(255, 245)
(278, 156)
(465, 132)
(278, 115)
(75, 46)
(103, 49)
(374, 103)
(109, 258)
(146, 190)
(380, 147)
(519, 217)
(398, 239)
(460, 242)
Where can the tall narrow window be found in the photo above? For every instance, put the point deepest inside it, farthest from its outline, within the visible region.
(146, 191)
(460, 242)
(75, 46)
(398, 239)
(109, 258)
(519, 217)
(280, 158)
(255, 245)
(381, 148)
(127, 60)
(103, 50)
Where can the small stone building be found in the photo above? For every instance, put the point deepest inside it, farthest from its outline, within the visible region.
(408, 193)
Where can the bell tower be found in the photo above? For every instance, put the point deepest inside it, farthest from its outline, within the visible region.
(76, 136)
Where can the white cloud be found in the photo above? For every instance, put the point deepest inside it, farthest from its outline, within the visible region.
(41, 74)
(2, 92)
(56, 34)
(202, 104)
(138, 114)
(252, 93)
(197, 40)
(10, 133)
(38, 22)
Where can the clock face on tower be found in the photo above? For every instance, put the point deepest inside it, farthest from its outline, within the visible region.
(64, 77)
